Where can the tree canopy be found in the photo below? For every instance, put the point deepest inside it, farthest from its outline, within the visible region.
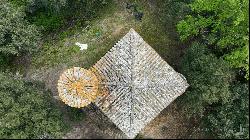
(17, 36)
(26, 111)
(209, 78)
(223, 25)
(231, 120)
(214, 94)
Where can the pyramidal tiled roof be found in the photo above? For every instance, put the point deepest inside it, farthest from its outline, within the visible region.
(139, 84)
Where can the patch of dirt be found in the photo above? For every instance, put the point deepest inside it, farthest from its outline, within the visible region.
(95, 125)
(169, 124)
(117, 31)
(49, 76)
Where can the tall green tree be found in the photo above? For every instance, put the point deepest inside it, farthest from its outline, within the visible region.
(222, 105)
(223, 25)
(26, 111)
(231, 120)
(209, 78)
(17, 36)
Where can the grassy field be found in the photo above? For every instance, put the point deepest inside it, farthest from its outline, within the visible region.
(59, 52)
(102, 33)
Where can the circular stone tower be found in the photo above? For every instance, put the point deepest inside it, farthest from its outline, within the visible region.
(78, 87)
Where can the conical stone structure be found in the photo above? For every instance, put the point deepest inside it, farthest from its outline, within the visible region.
(136, 84)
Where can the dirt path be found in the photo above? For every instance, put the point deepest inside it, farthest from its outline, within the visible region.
(170, 124)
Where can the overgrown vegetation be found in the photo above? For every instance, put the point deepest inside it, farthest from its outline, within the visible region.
(231, 120)
(209, 78)
(27, 112)
(56, 14)
(17, 36)
(217, 93)
(223, 25)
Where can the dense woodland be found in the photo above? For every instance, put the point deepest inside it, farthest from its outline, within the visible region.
(205, 40)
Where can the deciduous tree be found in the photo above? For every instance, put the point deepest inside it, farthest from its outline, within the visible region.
(222, 25)
(209, 78)
(27, 112)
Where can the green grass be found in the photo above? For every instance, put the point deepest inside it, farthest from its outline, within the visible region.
(101, 34)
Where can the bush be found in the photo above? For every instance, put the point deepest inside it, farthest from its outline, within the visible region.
(49, 22)
(34, 6)
(75, 114)
(209, 78)
(26, 111)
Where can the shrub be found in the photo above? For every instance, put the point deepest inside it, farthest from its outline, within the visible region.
(54, 14)
(75, 114)
(49, 22)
